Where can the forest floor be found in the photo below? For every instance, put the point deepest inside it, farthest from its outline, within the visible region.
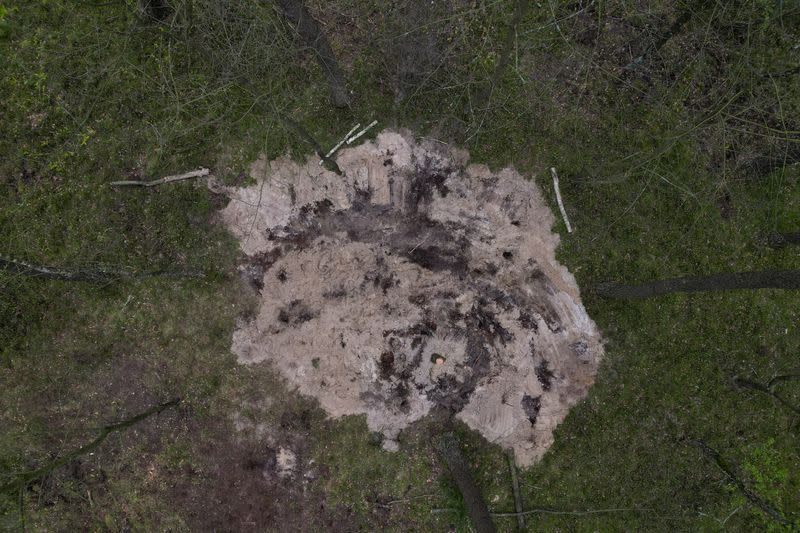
(674, 131)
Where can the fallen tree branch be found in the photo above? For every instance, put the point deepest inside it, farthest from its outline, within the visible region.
(310, 32)
(769, 388)
(515, 488)
(23, 480)
(781, 377)
(751, 496)
(765, 279)
(348, 139)
(674, 29)
(199, 173)
(89, 275)
(40, 271)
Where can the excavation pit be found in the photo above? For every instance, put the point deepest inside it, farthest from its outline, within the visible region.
(415, 282)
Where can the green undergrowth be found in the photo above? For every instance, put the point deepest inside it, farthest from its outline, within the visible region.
(682, 164)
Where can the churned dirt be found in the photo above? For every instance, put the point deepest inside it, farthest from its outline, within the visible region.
(413, 283)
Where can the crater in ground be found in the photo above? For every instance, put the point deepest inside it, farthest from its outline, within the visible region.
(413, 283)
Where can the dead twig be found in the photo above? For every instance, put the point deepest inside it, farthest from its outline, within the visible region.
(577, 512)
(87, 275)
(340, 143)
(405, 500)
(569, 512)
(199, 173)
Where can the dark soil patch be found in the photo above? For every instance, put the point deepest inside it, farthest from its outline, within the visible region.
(545, 375)
(238, 489)
(531, 406)
(296, 313)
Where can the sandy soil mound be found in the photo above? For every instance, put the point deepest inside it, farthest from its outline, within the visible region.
(414, 282)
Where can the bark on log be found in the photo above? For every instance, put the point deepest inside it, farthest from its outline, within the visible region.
(310, 32)
(473, 499)
(766, 279)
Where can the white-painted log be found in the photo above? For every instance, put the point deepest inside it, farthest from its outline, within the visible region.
(340, 143)
(362, 132)
(199, 173)
(560, 202)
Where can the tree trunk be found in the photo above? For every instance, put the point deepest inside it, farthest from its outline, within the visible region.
(766, 279)
(297, 13)
(473, 499)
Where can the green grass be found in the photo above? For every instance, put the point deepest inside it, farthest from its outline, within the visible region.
(91, 94)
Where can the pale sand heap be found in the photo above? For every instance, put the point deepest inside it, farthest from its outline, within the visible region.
(414, 282)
